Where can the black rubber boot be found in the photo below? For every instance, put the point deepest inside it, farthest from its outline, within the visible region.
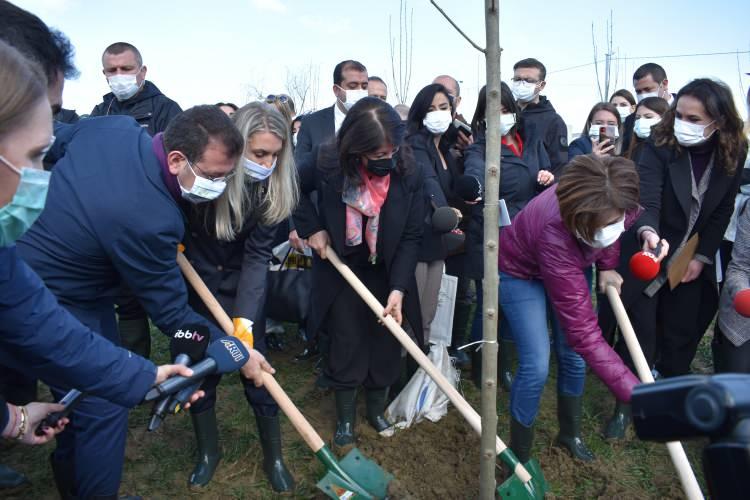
(521, 440)
(505, 357)
(63, 471)
(618, 423)
(273, 462)
(460, 327)
(9, 478)
(135, 336)
(346, 412)
(569, 410)
(209, 455)
(375, 404)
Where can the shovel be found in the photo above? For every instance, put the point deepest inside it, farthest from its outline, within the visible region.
(676, 452)
(526, 481)
(355, 477)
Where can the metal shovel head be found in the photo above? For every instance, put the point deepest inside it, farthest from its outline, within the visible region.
(366, 474)
(513, 487)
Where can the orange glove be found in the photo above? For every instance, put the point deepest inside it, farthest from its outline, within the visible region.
(243, 330)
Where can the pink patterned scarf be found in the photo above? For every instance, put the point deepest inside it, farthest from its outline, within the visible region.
(365, 199)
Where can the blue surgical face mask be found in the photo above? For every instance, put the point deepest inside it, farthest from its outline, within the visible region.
(256, 171)
(27, 204)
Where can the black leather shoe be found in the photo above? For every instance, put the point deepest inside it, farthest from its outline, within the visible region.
(273, 342)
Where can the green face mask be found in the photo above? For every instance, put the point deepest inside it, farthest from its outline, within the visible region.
(17, 216)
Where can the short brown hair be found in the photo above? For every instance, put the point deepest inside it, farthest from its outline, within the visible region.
(120, 47)
(591, 188)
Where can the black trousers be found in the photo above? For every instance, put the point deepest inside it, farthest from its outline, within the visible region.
(729, 358)
(361, 351)
(670, 325)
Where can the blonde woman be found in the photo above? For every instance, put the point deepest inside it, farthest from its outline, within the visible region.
(229, 241)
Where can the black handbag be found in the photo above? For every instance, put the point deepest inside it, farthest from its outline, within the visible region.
(288, 296)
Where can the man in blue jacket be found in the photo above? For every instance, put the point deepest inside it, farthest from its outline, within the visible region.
(113, 217)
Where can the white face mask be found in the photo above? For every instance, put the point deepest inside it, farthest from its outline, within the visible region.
(642, 127)
(437, 122)
(690, 134)
(203, 189)
(123, 86)
(523, 91)
(507, 122)
(607, 235)
(594, 132)
(352, 96)
(624, 111)
(294, 139)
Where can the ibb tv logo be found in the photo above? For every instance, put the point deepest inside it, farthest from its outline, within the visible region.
(234, 351)
(188, 335)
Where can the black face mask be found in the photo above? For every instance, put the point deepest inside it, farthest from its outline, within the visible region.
(381, 167)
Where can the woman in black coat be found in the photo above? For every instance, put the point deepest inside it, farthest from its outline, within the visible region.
(229, 243)
(370, 211)
(690, 172)
(430, 116)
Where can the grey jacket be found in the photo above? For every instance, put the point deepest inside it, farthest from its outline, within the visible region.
(735, 327)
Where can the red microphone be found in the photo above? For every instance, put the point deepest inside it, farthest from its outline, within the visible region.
(644, 264)
(742, 302)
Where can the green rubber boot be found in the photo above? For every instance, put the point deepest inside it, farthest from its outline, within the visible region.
(505, 359)
(521, 440)
(346, 412)
(273, 463)
(135, 336)
(619, 422)
(209, 455)
(375, 404)
(569, 409)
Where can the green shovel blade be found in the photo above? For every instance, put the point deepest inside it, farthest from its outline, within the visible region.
(354, 477)
(513, 487)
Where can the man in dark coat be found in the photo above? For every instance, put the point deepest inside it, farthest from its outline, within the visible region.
(649, 80)
(113, 216)
(528, 82)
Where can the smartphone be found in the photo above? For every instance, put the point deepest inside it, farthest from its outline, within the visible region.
(463, 127)
(607, 132)
(70, 401)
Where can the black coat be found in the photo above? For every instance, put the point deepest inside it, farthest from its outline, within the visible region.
(399, 235)
(235, 271)
(518, 185)
(316, 129)
(437, 189)
(552, 129)
(149, 107)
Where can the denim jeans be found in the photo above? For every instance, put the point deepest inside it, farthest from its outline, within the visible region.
(525, 308)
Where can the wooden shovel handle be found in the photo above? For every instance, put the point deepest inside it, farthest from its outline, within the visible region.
(455, 397)
(298, 420)
(676, 452)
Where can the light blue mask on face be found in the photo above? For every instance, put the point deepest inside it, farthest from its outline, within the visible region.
(27, 204)
(257, 171)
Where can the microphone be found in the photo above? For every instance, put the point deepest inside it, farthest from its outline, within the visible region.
(742, 302)
(644, 264)
(222, 356)
(444, 220)
(468, 188)
(187, 346)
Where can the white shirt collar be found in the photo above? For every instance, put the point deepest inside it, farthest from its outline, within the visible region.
(338, 117)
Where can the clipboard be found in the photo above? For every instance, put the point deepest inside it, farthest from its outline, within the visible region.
(679, 264)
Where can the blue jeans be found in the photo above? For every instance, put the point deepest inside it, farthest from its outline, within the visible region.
(525, 308)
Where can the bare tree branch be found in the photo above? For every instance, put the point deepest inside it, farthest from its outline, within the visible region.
(480, 49)
(401, 62)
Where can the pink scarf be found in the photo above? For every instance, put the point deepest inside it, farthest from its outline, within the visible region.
(365, 199)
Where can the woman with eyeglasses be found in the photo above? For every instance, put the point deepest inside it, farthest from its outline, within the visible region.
(601, 134)
(370, 210)
(229, 242)
(690, 172)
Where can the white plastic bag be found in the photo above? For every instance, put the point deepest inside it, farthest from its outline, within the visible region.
(441, 327)
(422, 398)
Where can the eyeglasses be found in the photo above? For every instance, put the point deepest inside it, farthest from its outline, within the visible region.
(206, 176)
(527, 80)
(282, 98)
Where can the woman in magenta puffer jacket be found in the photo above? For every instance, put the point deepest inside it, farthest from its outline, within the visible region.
(543, 255)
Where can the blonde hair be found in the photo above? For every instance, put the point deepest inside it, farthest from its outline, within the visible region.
(278, 196)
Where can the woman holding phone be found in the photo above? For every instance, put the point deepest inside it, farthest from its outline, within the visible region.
(601, 134)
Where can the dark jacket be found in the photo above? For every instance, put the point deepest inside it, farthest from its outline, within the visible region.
(42, 339)
(437, 189)
(580, 146)
(110, 220)
(235, 271)
(316, 129)
(399, 235)
(627, 131)
(149, 107)
(539, 246)
(518, 185)
(552, 129)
